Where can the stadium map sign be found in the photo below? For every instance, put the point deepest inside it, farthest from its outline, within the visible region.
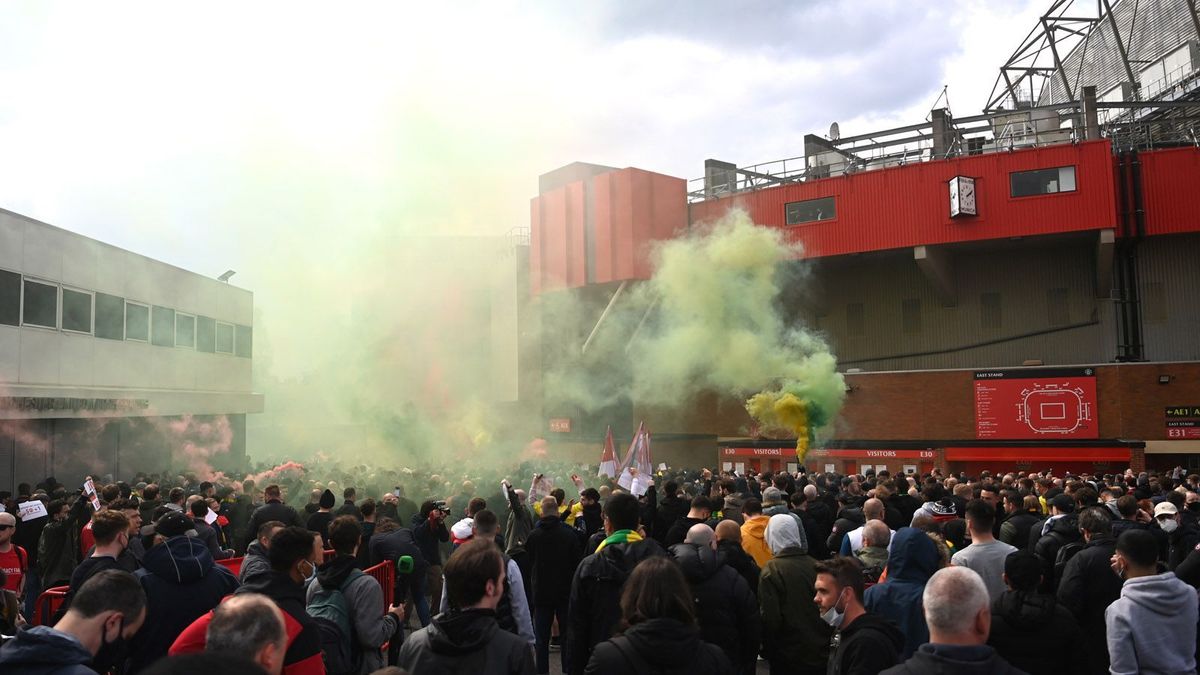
(1036, 404)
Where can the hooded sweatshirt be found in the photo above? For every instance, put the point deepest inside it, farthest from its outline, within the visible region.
(1032, 631)
(41, 650)
(913, 559)
(782, 509)
(468, 641)
(753, 540)
(182, 584)
(726, 608)
(1152, 626)
(940, 659)
(659, 645)
(793, 633)
(364, 599)
(868, 645)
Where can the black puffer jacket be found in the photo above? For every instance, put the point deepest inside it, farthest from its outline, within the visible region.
(554, 550)
(736, 557)
(1035, 633)
(595, 596)
(670, 509)
(726, 608)
(658, 646)
(469, 641)
(1063, 530)
(1087, 588)
(1015, 528)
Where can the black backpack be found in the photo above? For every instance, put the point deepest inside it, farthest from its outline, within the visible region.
(1065, 553)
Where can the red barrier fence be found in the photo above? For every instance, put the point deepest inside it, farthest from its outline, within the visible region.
(47, 604)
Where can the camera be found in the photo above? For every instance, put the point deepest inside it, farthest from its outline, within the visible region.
(440, 505)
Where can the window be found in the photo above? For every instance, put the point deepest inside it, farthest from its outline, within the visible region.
(206, 334)
(77, 311)
(989, 312)
(1154, 302)
(1057, 307)
(224, 338)
(1042, 181)
(856, 324)
(41, 305)
(810, 210)
(910, 311)
(162, 326)
(10, 298)
(137, 322)
(185, 331)
(110, 317)
(245, 341)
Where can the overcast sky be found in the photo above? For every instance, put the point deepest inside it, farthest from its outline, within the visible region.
(205, 134)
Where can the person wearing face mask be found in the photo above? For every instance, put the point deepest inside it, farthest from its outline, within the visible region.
(1151, 628)
(111, 529)
(726, 608)
(1182, 535)
(181, 582)
(108, 610)
(294, 554)
(795, 639)
(863, 642)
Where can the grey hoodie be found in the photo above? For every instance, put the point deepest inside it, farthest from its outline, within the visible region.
(801, 535)
(1152, 626)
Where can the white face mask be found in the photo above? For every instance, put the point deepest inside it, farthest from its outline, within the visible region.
(832, 616)
(1168, 525)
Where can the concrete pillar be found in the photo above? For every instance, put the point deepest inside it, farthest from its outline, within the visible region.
(1091, 118)
(1105, 245)
(943, 132)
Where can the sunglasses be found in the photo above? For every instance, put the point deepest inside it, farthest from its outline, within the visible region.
(5, 527)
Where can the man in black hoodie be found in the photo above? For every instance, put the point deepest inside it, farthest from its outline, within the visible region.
(554, 550)
(1030, 629)
(864, 642)
(467, 638)
(726, 608)
(599, 578)
(670, 509)
(700, 512)
(1089, 586)
(273, 509)
(729, 546)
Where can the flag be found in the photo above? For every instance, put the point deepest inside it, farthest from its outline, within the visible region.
(608, 458)
(638, 457)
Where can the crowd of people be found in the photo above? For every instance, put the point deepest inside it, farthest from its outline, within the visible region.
(704, 572)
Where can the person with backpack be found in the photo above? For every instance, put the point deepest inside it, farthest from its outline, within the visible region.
(1057, 531)
(876, 538)
(14, 560)
(347, 606)
(1089, 586)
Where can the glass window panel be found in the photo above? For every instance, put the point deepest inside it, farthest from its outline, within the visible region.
(77, 311)
(110, 317)
(41, 305)
(137, 322)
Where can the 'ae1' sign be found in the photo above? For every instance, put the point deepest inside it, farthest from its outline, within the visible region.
(1045, 403)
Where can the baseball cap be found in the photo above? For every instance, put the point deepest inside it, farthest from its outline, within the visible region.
(1063, 503)
(772, 496)
(171, 524)
(1165, 509)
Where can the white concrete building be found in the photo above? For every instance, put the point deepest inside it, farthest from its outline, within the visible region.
(111, 362)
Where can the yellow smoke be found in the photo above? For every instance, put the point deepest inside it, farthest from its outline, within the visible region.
(783, 409)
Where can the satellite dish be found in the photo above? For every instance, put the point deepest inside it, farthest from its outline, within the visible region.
(834, 132)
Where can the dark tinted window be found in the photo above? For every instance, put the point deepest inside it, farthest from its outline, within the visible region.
(1042, 181)
(41, 304)
(137, 322)
(162, 326)
(225, 338)
(810, 210)
(77, 311)
(10, 298)
(245, 341)
(110, 317)
(206, 334)
(185, 331)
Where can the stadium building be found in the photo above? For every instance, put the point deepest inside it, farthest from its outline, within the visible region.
(112, 363)
(1015, 289)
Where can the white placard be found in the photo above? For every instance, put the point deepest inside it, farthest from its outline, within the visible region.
(210, 517)
(31, 510)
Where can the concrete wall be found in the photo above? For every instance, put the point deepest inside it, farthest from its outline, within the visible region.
(47, 357)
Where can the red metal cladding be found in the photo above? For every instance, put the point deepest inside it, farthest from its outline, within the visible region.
(909, 205)
(1171, 190)
(557, 223)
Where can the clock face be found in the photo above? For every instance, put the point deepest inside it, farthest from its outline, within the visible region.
(962, 196)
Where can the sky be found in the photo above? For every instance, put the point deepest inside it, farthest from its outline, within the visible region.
(282, 140)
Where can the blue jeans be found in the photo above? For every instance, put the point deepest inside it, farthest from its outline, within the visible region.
(33, 588)
(417, 587)
(543, 618)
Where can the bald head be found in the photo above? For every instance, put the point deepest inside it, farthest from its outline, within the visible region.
(549, 506)
(873, 509)
(810, 491)
(727, 530)
(699, 534)
(957, 607)
(7, 519)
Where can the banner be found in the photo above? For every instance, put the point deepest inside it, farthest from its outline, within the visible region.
(638, 467)
(31, 510)
(608, 457)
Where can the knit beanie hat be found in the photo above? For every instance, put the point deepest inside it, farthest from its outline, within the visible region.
(327, 499)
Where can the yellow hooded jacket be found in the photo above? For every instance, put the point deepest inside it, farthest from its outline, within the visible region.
(753, 540)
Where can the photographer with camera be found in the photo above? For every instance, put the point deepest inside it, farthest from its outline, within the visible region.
(429, 530)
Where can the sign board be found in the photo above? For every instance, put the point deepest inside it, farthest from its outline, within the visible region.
(1183, 422)
(874, 454)
(31, 510)
(757, 452)
(1036, 403)
(89, 489)
(560, 425)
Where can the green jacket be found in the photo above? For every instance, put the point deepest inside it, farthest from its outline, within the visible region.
(56, 552)
(795, 637)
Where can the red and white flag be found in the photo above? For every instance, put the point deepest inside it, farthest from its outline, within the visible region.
(608, 459)
(638, 467)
